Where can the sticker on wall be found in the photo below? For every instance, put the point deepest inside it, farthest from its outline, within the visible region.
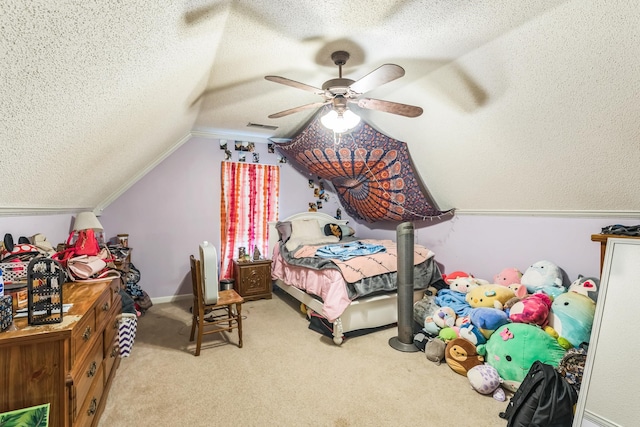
(223, 144)
(282, 159)
(271, 147)
(311, 183)
(242, 157)
(313, 207)
(256, 157)
(319, 204)
(227, 154)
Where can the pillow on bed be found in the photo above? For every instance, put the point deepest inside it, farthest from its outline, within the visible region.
(284, 230)
(340, 231)
(307, 232)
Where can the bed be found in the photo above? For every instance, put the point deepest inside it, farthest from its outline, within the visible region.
(320, 284)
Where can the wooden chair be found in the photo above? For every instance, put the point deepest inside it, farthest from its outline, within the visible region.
(213, 318)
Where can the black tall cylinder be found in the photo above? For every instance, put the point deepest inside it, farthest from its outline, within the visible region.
(404, 340)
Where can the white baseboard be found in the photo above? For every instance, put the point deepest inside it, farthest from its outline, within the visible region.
(171, 298)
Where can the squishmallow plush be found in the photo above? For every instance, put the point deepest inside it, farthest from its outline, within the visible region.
(488, 319)
(461, 356)
(514, 347)
(485, 380)
(444, 316)
(572, 317)
(533, 309)
(424, 308)
(543, 276)
(465, 284)
(489, 296)
(588, 286)
(507, 277)
(471, 333)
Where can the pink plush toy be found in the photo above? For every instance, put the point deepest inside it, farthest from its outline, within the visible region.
(533, 309)
(507, 277)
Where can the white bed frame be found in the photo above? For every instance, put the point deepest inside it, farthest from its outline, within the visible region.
(364, 313)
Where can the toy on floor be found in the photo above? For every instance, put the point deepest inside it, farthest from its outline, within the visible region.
(489, 296)
(514, 347)
(572, 318)
(461, 356)
(543, 276)
(588, 286)
(533, 309)
(449, 333)
(434, 350)
(485, 380)
(488, 319)
(424, 308)
(472, 333)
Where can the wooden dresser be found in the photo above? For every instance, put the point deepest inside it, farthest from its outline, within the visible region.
(253, 279)
(603, 238)
(70, 364)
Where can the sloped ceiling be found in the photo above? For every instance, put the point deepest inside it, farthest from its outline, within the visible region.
(529, 106)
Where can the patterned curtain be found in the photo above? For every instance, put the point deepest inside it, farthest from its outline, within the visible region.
(249, 201)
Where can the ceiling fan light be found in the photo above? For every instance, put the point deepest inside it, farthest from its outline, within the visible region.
(340, 122)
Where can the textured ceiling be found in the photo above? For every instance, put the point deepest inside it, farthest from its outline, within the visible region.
(528, 105)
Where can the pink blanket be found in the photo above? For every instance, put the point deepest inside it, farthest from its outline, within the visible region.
(363, 266)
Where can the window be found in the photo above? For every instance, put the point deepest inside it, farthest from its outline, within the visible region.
(249, 201)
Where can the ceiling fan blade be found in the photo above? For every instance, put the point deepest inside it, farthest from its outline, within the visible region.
(296, 109)
(389, 107)
(293, 83)
(381, 75)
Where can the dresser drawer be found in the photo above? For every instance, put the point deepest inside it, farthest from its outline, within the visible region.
(87, 371)
(83, 336)
(87, 412)
(103, 306)
(111, 348)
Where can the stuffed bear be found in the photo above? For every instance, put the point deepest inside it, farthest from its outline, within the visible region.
(514, 347)
(533, 309)
(543, 276)
(489, 296)
(461, 356)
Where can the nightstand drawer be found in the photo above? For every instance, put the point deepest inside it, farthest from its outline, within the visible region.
(253, 279)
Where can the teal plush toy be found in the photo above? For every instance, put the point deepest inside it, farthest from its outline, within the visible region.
(572, 318)
(514, 347)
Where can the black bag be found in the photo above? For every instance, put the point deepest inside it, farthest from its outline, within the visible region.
(544, 399)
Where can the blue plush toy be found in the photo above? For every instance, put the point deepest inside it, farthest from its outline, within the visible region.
(488, 319)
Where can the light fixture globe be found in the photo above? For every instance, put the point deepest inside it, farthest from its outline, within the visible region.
(340, 122)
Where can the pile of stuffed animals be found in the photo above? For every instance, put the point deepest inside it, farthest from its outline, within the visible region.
(493, 332)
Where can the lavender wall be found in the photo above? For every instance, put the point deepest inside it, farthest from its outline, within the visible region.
(176, 206)
(171, 210)
(484, 245)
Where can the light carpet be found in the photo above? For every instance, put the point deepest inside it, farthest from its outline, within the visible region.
(285, 375)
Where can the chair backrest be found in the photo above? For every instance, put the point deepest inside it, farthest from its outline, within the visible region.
(196, 282)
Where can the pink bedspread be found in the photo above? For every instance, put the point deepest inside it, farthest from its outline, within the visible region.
(327, 284)
(363, 266)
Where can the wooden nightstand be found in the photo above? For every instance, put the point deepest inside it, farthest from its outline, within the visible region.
(253, 279)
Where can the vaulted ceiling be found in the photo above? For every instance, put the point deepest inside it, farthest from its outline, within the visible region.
(529, 106)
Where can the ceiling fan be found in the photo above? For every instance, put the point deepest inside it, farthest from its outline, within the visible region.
(342, 91)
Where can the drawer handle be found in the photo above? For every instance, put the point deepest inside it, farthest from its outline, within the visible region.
(93, 407)
(114, 351)
(87, 334)
(105, 307)
(92, 369)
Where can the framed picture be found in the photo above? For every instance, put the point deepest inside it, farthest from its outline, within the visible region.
(238, 145)
(223, 144)
(34, 416)
(242, 157)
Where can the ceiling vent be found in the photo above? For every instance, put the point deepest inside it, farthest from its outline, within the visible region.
(261, 126)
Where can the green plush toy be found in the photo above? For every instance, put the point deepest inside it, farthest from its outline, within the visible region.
(514, 347)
